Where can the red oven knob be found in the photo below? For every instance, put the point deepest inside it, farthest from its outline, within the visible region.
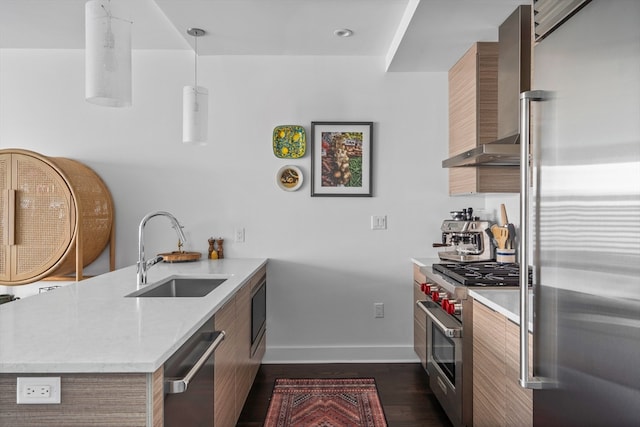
(425, 288)
(438, 295)
(453, 307)
(445, 304)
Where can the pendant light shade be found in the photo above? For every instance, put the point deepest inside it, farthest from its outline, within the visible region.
(107, 56)
(195, 110)
(195, 104)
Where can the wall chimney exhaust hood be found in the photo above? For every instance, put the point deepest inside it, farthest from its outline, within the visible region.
(514, 77)
(503, 152)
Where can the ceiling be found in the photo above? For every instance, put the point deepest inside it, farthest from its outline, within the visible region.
(408, 35)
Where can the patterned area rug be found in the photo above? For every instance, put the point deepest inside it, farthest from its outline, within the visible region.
(325, 403)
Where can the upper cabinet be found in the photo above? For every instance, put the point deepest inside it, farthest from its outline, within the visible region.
(473, 121)
(484, 89)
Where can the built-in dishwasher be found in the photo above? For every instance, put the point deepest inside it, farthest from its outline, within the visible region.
(188, 380)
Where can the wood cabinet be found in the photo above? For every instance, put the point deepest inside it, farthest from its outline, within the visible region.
(56, 217)
(235, 367)
(89, 400)
(473, 120)
(419, 317)
(498, 399)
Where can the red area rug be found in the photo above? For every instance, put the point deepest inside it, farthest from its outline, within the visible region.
(325, 403)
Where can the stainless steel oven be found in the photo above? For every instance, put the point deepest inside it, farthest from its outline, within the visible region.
(449, 329)
(444, 359)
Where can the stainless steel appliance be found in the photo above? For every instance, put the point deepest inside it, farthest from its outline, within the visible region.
(449, 348)
(465, 240)
(189, 380)
(581, 218)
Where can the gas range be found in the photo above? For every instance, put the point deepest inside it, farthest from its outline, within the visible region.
(448, 283)
(481, 273)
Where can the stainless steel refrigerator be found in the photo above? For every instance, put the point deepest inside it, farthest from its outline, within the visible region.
(581, 212)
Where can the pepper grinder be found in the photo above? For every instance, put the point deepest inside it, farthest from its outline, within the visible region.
(220, 241)
(212, 251)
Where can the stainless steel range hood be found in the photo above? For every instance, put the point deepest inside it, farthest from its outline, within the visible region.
(514, 77)
(503, 152)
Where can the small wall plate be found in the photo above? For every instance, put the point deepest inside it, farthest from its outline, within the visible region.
(289, 141)
(289, 178)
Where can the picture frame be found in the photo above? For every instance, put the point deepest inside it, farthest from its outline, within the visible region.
(341, 159)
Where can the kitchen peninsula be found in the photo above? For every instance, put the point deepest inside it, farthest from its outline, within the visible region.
(108, 349)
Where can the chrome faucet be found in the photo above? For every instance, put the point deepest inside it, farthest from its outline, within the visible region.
(143, 265)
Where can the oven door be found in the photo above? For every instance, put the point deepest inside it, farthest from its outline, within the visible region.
(444, 359)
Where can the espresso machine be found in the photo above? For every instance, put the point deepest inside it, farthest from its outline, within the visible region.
(464, 238)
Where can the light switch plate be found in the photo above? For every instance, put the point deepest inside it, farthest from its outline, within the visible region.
(378, 222)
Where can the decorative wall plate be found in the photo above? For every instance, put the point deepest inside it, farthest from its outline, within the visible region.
(289, 141)
(289, 178)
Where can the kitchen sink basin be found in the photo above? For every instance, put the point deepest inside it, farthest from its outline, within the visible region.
(179, 287)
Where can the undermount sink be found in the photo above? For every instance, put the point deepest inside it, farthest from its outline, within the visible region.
(180, 287)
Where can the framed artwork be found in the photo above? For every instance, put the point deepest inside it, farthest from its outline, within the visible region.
(341, 158)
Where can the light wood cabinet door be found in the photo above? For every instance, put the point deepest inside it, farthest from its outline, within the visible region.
(235, 368)
(498, 399)
(473, 120)
(419, 317)
(519, 411)
(244, 372)
(224, 396)
(489, 370)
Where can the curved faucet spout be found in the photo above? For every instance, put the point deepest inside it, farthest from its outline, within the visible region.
(143, 265)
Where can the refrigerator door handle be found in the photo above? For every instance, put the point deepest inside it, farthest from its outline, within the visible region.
(527, 381)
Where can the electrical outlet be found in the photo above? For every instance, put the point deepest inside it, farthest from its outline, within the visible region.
(379, 307)
(378, 222)
(38, 390)
(239, 235)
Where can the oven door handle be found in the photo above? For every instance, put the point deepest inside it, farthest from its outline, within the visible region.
(453, 330)
(179, 385)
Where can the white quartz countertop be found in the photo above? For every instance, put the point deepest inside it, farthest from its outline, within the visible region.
(90, 326)
(505, 302)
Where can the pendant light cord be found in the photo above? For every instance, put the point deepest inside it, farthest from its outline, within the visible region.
(196, 65)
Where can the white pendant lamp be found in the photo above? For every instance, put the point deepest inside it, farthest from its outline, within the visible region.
(195, 104)
(107, 56)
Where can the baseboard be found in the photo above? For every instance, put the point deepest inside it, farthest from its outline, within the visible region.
(391, 354)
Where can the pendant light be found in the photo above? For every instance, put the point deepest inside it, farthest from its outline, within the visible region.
(195, 104)
(107, 56)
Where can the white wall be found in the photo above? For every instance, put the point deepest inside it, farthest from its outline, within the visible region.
(326, 267)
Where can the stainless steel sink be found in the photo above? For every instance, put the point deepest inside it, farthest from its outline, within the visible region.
(179, 287)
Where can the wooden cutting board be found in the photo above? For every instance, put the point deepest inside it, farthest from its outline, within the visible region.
(180, 256)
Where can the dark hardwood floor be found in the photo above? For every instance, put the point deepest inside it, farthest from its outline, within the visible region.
(403, 389)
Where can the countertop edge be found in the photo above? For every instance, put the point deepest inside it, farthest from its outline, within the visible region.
(149, 361)
(487, 298)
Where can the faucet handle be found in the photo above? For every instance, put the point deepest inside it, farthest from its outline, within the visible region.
(153, 261)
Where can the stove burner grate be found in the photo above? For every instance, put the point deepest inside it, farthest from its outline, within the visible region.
(482, 273)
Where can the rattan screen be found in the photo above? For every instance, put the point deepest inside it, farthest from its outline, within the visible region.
(5, 168)
(47, 205)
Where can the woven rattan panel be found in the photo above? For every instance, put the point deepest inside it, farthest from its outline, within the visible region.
(58, 203)
(5, 169)
(43, 216)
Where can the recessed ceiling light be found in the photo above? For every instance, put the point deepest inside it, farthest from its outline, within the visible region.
(343, 32)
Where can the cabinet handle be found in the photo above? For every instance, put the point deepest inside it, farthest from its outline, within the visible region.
(180, 385)
(11, 218)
